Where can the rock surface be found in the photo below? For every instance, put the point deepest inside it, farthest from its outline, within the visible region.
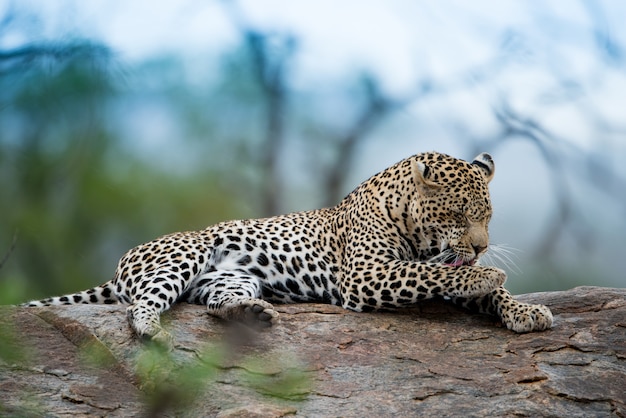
(323, 361)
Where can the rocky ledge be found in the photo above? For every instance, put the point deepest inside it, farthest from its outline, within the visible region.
(321, 361)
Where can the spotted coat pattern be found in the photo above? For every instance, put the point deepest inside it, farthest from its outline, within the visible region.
(411, 232)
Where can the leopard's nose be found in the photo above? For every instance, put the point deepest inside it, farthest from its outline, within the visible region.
(478, 249)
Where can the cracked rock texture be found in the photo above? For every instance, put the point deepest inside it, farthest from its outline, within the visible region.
(434, 360)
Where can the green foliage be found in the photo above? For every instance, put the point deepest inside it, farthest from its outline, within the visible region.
(170, 385)
(71, 191)
(12, 353)
(278, 376)
(10, 350)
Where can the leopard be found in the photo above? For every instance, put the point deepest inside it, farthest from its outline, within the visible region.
(414, 231)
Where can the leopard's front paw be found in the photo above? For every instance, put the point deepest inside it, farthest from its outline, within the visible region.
(494, 276)
(484, 280)
(524, 317)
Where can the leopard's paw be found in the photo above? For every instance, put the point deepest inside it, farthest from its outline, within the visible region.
(250, 311)
(494, 277)
(260, 313)
(484, 280)
(524, 317)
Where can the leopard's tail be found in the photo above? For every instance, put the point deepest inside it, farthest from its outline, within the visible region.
(103, 294)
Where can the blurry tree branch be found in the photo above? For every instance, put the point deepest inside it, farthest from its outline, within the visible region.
(271, 76)
(566, 162)
(270, 55)
(608, 47)
(10, 250)
(12, 60)
(377, 107)
(515, 126)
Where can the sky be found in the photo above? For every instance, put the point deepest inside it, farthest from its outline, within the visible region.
(403, 42)
(554, 70)
(397, 38)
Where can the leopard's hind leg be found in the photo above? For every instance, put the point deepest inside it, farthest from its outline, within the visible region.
(517, 316)
(152, 295)
(232, 296)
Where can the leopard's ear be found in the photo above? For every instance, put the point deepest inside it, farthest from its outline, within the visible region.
(485, 163)
(423, 178)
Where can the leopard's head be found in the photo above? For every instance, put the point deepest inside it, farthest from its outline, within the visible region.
(453, 207)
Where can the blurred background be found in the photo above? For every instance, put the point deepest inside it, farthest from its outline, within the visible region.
(122, 121)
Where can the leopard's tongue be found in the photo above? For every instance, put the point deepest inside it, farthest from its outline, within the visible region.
(456, 263)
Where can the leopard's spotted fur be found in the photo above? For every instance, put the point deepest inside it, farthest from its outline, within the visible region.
(411, 232)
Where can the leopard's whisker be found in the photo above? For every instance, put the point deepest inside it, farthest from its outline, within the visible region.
(501, 255)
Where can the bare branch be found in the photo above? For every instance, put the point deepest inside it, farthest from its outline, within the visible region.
(54, 52)
(377, 107)
(11, 248)
(270, 56)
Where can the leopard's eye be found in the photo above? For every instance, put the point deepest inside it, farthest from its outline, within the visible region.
(459, 215)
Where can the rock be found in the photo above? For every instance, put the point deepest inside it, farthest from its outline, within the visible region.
(321, 360)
